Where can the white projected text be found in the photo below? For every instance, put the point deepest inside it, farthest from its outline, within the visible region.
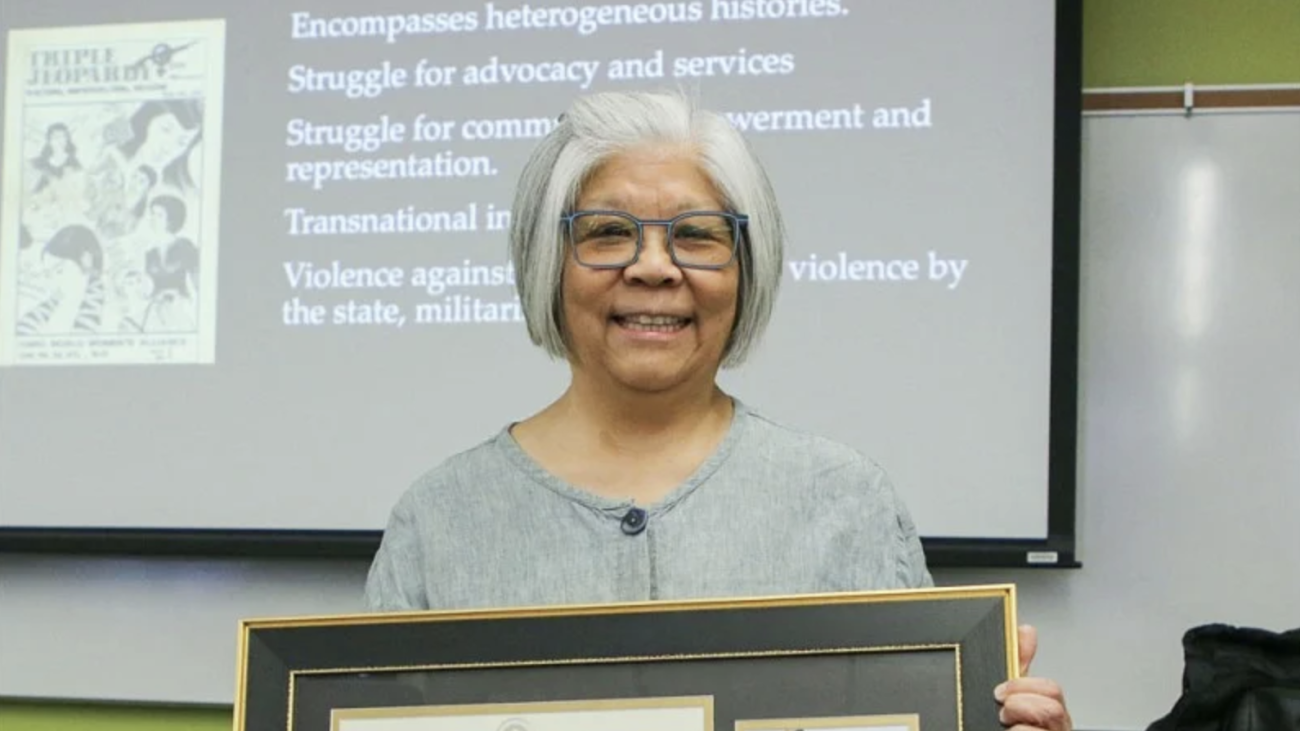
(398, 148)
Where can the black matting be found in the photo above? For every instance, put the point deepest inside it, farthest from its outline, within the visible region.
(874, 653)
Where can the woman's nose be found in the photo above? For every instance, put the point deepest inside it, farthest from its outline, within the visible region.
(655, 264)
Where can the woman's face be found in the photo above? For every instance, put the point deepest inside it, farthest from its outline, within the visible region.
(134, 286)
(137, 185)
(65, 276)
(167, 140)
(158, 222)
(606, 311)
(58, 139)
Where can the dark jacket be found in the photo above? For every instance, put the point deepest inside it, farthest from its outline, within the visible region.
(1237, 679)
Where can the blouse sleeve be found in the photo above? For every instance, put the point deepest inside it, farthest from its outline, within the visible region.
(910, 563)
(396, 578)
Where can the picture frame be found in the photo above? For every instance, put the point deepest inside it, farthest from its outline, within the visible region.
(908, 660)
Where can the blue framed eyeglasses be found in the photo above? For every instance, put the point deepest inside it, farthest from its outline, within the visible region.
(614, 239)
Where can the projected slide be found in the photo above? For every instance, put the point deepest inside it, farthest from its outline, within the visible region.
(353, 165)
(448, 124)
(110, 216)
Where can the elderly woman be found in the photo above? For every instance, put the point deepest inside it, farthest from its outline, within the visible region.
(648, 246)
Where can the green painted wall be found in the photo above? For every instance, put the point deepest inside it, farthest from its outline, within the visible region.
(1126, 43)
(1169, 42)
(24, 716)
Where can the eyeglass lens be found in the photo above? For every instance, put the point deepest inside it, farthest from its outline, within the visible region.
(611, 239)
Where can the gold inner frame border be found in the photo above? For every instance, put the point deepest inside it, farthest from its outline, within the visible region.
(954, 647)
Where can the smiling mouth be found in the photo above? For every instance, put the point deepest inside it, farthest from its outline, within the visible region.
(652, 323)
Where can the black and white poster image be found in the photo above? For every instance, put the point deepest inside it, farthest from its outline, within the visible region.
(109, 246)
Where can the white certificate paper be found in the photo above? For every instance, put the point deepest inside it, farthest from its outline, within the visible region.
(634, 714)
(902, 722)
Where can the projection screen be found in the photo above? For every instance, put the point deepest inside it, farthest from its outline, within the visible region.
(254, 277)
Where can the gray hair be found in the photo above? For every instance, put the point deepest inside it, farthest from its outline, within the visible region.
(600, 126)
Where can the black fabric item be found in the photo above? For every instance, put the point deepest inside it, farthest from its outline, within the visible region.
(1237, 679)
(1266, 709)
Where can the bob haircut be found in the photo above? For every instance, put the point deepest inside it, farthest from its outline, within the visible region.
(601, 126)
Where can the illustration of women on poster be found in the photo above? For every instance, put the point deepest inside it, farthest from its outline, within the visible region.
(155, 148)
(71, 292)
(57, 160)
(145, 192)
(54, 184)
(172, 265)
(120, 201)
(165, 135)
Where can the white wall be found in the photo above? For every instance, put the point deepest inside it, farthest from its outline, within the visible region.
(1189, 458)
(1189, 448)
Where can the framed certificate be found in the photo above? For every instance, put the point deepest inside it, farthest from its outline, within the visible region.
(916, 660)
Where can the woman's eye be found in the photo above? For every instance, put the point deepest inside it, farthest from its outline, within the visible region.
(611, 230)
(697, 233)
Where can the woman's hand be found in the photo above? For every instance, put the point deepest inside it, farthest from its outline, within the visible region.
(1032, 704)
